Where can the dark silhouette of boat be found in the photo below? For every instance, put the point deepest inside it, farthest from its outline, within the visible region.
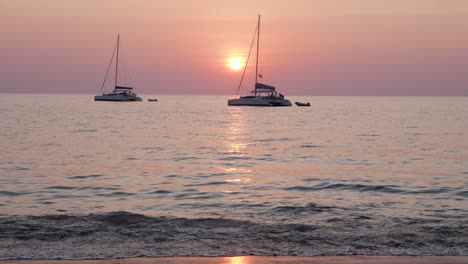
(263, 94)
(302, 104)
(120, 93)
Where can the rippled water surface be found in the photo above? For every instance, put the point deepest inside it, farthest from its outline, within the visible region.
(342, 159)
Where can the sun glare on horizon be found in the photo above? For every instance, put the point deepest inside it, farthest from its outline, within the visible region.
(235, 63)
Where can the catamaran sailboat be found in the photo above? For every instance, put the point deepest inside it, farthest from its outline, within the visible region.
(120, 93)
(263, 94)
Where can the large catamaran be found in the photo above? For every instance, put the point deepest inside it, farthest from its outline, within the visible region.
(120, 93)
(262, 94)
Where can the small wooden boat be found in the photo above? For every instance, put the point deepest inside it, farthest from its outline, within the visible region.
(302, 104)
(152, 100)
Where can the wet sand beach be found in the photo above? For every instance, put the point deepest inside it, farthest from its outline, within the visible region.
(261, 260)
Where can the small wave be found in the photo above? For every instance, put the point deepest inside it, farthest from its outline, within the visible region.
(311, 146)
(211, 175)
(373, 188)
(187, 158)
(207, 196)
(172, 176)
(51, 145)
(84, 131)
(214, 183)
(432, 191)
(99, 188)
(154, 148)
(68, 196)
(8, 193)
(310, 208)
(19, 169)
(272, 139)
(61, 187)
(352, 187)
(265, 159)
(46, 202)
(235, 158)
(115, 194)
(84, 176)
(462, 193)
(190, 190)
(199, 196)
(161, 192)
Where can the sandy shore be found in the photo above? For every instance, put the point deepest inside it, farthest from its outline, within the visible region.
(260, 260)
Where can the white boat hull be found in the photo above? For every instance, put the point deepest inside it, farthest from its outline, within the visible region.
(259, 101)
(117, 98)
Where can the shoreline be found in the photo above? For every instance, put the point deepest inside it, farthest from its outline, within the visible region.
(259, 260)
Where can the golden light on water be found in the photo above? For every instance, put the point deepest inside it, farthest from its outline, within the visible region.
(236, 132)
(238, 180)
(236, 170)
(238, 260)
(236, 146)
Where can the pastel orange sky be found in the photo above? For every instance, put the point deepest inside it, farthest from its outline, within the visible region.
(308, 47)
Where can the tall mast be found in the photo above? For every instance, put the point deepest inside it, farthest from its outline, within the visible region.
(117, 60)
(258, 44)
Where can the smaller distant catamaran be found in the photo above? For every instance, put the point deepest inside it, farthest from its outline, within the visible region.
(263, 94)
(120, 93)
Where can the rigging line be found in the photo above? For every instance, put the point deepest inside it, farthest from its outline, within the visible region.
(247, 62)
(108, 68)
(117, 61)
(258, 46)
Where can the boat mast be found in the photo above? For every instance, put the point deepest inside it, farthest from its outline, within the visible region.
(117, 60)
(258, 44)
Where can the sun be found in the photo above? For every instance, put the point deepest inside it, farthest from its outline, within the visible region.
(235, 63)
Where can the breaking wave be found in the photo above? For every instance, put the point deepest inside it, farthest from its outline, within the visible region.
(124, 234)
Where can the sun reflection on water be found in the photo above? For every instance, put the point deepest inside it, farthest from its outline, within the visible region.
(239, 180)
(236, 170)
(236, 260)
(236, 135)
(236, 146)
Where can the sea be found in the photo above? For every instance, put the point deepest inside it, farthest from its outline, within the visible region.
(190, 176)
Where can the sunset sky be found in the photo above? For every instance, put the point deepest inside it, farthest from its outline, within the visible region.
(308, 47)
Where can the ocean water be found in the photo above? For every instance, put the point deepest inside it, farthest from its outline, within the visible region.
(189, 175)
